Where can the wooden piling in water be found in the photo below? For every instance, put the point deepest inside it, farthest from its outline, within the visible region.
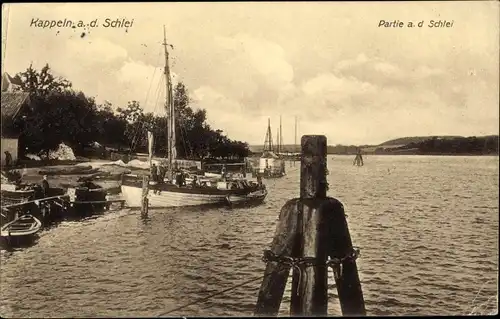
(310, 284)
(311, 236)
(276, 275)
(145, 190)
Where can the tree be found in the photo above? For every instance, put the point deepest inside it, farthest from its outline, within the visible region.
(134, 128)
(111, 126)
(59, 114)
(41, 83)
(36, 124)
(132, 112)
(75, 119)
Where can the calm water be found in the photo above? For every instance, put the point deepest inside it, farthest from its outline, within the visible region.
(427, 228)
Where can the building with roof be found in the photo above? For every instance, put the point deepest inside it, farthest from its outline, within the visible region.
(12, 104)
(10, 84)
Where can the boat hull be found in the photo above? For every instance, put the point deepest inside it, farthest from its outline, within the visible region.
(169, 198)
(26, 225)
(10, 197)
(256, 197)
(273, 175)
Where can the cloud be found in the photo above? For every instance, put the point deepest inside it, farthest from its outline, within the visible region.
(144, 83)
(221, 110)
(336, 70)
(95, 50)
(256, 70)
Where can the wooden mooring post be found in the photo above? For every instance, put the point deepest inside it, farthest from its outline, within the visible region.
(311, 236)
(145, 201)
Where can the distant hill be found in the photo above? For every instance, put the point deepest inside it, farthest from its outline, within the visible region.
(439, 145)
(416, 145)
(414, 139)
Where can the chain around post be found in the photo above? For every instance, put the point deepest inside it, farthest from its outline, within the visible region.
(300, 263)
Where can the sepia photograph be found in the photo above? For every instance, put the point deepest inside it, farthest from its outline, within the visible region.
(249, 159)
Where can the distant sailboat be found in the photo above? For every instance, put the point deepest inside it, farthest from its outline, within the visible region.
(287, 155)
(270, 164)
(164, 193)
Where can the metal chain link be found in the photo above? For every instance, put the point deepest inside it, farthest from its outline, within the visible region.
(299, 263)
(337, 264)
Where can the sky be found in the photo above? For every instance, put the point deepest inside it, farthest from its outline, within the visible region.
(328, 63)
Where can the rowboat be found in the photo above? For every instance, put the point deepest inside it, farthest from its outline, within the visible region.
(252, 198)
(25, 225)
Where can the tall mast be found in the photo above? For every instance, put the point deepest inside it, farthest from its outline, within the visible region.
(281, 139)
(278, 140)
(268, 142)
(295, 143)
(169, 105)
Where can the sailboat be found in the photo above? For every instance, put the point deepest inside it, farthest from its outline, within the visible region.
(270, 164)
(287, 155)
(166, 193)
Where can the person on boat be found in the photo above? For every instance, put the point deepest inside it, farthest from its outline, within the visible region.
(45, 186)
(259, 179)
(8, 158)
(180, 179)
(162, 171)
(154, 173)
(18, 184)
(223, 172)
(183, 178)
(194, 183)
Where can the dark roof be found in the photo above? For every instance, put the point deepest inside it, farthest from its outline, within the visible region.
(7, 79)
(12, 103)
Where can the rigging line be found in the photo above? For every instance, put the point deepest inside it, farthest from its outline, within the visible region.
(138, 130)
(181, 122)
(147, 94)
(151, 83)
(158, 93)
(156, 106)
(185, 142)
(216, 294)
(190, 148)
(142, 123)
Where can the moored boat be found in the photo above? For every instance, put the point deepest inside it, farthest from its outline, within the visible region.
(16, 196)
(270, 164)
(252, 198)
(174, 191)
(25, 225)
(163, 195)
